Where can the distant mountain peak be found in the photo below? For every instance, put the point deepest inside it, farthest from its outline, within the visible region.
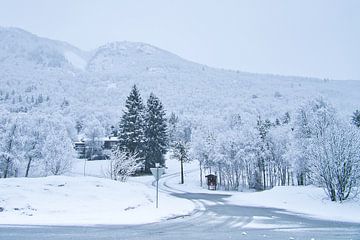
(122, 56)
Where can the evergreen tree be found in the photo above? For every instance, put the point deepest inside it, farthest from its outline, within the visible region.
(356, 118)
(286, 118)
(131, 127)
(263, 127)
(155, 133)
(277, 122)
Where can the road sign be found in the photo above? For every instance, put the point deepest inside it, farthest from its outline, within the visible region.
(157, 172)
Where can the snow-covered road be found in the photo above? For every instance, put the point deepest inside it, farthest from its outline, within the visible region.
(213, 218)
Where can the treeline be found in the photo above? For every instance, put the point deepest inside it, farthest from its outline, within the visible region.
(22, 102)
(34, 145)
(42, 144)
(314, 146)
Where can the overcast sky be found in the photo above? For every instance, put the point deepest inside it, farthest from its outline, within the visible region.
(319, 38)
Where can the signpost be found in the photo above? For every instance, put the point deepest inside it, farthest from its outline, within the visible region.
(157, 171)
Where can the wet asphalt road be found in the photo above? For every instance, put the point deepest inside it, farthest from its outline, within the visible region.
(216, 220)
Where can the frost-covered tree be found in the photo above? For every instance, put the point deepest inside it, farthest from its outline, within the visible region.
(235, 121)
(122, 165)
(34, 132)
(203, 149)
(79, 126)
(311, 121)
(335, 161)
(131, 127)
(10, 143)
(229, 164)
(172, 128)
(262, 146)
(286, 118)
(180, 133)
(58, 151)
(94, 133)
(156, 139)
(279, 166)
(180, 152)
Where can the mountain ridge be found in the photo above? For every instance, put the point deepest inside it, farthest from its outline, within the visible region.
(97, 82)
(141, 46)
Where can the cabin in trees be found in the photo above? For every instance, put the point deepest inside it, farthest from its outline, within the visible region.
(110, 142)
(84, 150)
(80, 148)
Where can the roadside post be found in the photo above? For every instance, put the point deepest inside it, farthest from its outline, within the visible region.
(157, 171)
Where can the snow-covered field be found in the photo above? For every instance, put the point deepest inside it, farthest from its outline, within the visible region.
(78, 200)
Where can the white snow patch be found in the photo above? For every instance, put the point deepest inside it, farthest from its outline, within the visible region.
(62, 200)
(309, 200)
(266, 223)
(76, 60)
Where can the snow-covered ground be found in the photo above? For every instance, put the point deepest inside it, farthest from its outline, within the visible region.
(308, 200)
(79, 200)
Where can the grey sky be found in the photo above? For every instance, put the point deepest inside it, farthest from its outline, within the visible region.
(318, 38)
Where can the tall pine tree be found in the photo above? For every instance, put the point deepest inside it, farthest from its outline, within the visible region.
(131, 128)
(155, 133)
(356, 118)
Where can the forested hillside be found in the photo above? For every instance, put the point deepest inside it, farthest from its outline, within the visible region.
(52, 93)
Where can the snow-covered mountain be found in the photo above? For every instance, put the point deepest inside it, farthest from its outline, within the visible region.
(97, 82)
(120, 58)
(18, 47)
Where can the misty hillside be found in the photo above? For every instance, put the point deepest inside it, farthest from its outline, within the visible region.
(77, 83)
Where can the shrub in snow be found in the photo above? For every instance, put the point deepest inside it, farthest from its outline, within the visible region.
(122, 164)
(335, 161)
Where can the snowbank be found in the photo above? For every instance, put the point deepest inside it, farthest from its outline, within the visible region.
(307, 200)
(60, 200)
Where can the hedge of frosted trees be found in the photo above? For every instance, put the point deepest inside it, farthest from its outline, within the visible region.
(313, 146)
(34, 145)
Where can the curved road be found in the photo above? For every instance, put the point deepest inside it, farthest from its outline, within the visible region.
(213, 219)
